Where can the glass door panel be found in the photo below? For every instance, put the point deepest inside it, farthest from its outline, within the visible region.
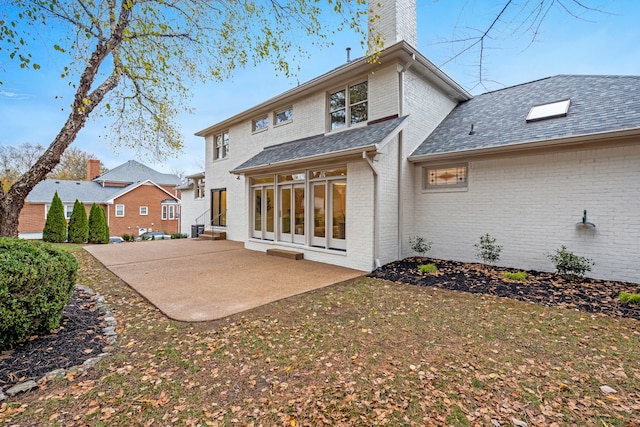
(269, 213)
(285, 213)
(298, 213)
(319, 214)
(339, 209)
(257, 213)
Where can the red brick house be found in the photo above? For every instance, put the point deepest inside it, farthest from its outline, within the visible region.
(135, 198)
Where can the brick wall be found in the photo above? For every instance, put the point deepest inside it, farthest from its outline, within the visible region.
(33, 217)
(144, 195)
(531, 204)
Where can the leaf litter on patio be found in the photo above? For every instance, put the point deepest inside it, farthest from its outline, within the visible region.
(363, 352)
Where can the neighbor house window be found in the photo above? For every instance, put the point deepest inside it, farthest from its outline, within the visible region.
(260, 124)
(144, 210)
(452, 176)
(221, 146)
(283, 116)
(168, 212)
(119, 210)
(348, 106)
(68, 210)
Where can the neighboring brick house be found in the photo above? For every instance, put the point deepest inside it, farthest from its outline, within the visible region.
(135, 198)
(348, 166)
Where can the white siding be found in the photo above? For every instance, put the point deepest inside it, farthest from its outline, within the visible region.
(531, 204)
(190, 209)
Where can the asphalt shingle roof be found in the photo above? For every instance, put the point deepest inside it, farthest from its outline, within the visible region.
(308, 148)
(69, 191)
(133, 171)
(598, 104)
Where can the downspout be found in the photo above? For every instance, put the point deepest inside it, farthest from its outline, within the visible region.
(401, 89)
(376, 211)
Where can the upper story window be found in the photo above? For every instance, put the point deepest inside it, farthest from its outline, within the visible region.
(221, 146)
(283, 116)
(199, 188)
(260, 124)
(348, 106)
(144, 210)
(119, 210)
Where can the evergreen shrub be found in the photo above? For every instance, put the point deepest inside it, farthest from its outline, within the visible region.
(36, 283)
(98, 228)
(55, 227)
(78, 230)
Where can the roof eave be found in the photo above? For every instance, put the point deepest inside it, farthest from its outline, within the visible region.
(529, 145)
(298, 161)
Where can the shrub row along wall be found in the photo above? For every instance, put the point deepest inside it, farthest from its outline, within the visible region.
(36, 283)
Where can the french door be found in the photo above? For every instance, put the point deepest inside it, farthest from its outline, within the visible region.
(329, 214)
(264, 212)
(292, 213)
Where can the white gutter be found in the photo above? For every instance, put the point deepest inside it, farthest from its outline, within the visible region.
(529, 145)
(376, 211)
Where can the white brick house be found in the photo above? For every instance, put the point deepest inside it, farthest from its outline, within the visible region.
(347, 167)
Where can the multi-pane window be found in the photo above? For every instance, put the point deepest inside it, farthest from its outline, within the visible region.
(221, 146)
(144, 210)
(119, 210)
(68, 210)
(261, 123)
(283, 116)
(454, 176)
(168, 212)
(348, 106)
(199, 185)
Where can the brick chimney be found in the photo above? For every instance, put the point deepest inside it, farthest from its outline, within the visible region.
(397, 20)
(93, 169)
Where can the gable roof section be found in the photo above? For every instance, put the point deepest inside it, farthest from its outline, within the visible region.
(133, 186)
(599, 105)
(69, 191)
(133, 171)
(353, 141)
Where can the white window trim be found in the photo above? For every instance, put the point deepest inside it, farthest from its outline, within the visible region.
(347, 106)
(68, 210)
(116, 211)
(445, 188)
(224, 147)
(265, 118)
(146, 210)
(285, 122)
(169, 212)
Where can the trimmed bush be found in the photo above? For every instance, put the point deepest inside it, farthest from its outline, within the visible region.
(629, 298)
(427, 268)
(98, 228)
(179, 236)
(36, 283)
(78, 230)
(520, 276)
(55, 227)
(569, 265)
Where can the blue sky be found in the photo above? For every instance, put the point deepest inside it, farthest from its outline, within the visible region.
(31, 108)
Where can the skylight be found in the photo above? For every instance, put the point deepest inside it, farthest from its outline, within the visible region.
(548, 111)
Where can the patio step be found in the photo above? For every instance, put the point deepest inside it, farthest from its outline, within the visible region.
(213, 235)
(285, 254)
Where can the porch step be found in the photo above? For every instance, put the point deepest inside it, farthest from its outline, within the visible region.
(213, 235)
(285, 254)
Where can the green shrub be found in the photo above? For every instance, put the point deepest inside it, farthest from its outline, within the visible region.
(179, 236)
(36, 283)
(516, 275)
(78, 230)
(98, 228)
(55, 227)
(420, 245)
(569, 265)
(427, 268)
(487, 250)
(628, 298)
(128, 237)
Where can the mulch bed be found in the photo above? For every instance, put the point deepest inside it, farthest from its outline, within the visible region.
(78, 338)
(591, 295)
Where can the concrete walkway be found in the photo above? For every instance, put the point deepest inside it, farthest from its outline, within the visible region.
(192, 280)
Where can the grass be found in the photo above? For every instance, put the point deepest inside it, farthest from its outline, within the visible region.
(516, 275)
(629, 298)
(427, 268)
(363, 352)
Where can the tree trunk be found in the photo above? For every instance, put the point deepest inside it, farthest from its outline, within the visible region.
(9, 213)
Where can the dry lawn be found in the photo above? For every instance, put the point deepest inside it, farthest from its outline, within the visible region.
(365, 352)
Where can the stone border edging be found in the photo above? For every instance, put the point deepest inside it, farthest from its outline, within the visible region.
(110, 335)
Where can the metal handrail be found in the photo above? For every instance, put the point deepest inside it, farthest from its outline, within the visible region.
(204, 218)
(218, 217)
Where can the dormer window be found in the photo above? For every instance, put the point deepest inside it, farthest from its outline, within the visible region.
(348, 106)
(548, 111)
